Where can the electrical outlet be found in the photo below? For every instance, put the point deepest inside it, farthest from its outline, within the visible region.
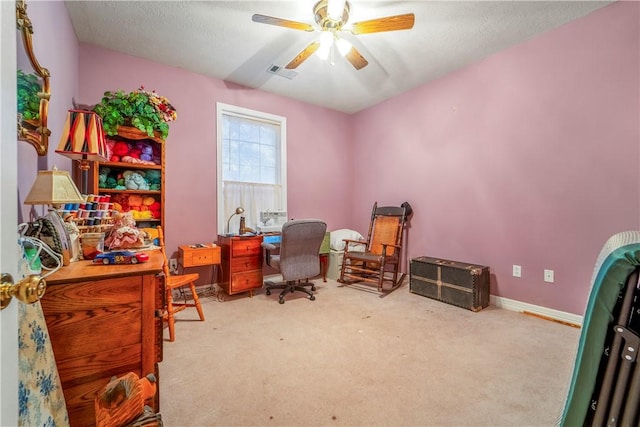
(548, 276)
(173, 265)
(517, 271)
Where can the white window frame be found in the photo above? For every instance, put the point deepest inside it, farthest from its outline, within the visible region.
(227, 109)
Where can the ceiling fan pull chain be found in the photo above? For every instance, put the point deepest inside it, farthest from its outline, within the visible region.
(333, 54)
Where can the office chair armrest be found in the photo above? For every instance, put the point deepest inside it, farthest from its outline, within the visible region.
(268, 246)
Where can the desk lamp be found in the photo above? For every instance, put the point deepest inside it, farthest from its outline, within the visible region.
(238, 211)
(83, 140)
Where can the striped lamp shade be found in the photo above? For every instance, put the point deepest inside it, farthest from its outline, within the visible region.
(83, 137)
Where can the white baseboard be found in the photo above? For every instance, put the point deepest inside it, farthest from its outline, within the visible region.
(510, 304)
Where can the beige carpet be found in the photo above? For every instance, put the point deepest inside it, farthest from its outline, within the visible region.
(351, 358)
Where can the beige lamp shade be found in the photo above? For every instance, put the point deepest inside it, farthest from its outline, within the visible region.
(53, 187)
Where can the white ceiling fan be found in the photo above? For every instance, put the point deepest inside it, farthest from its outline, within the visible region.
(332, 17)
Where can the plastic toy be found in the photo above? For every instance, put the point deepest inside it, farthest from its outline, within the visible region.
(120, 257)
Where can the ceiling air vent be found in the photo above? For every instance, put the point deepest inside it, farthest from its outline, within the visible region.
(282, 72)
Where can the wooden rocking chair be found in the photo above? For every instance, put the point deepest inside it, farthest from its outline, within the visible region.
(377, 260)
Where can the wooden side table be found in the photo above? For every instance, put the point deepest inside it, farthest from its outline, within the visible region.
(197, 256)
(200, 256)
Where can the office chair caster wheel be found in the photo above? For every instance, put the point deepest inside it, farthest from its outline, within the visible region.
(313, 287)
(268, 292)
(281, 300)
(312, 298)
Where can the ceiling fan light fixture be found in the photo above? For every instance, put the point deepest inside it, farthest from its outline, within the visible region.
(323, 51)
(335, 9)
(343, 46)
(326, 39)
(326, 43)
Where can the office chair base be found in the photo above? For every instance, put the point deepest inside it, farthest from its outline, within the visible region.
(290, 287)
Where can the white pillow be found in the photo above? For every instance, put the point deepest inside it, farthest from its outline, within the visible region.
(337, 236)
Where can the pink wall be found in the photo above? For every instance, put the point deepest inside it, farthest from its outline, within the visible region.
(528, 157)
(316, 160)
(56, 49)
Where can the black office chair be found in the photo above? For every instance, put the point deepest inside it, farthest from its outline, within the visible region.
(299, 257)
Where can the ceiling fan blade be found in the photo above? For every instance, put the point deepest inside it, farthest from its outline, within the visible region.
(389, 23)
(302, 56)
(356, 59)
(264, 19)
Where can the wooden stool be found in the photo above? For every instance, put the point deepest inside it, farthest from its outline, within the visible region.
(174, 282)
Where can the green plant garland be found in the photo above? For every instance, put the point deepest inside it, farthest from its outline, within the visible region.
(144, 110)
(28, 99)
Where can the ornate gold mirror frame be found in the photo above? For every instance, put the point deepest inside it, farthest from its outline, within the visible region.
(35, 132)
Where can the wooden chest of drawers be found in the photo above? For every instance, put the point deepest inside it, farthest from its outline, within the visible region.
(241, 263)
(102, 323)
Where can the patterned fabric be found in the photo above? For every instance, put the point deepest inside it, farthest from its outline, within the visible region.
(41, 402)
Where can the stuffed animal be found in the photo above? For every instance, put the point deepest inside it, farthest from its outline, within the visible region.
(123, 399)
(124, 234)
(134, 180)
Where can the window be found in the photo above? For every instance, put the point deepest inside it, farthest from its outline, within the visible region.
(251, 165)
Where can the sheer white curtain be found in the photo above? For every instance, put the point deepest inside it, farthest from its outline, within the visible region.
(251, 165)
(253, 198)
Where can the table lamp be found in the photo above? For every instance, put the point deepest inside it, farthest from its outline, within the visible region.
(54, 188)
(83, 139)
(238, 211)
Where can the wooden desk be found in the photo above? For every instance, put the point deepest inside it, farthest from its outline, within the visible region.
(102, 322)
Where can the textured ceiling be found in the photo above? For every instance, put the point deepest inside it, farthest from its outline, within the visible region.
(219, 39)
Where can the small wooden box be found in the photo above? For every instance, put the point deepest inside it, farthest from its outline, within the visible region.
(191, 256)
(462, 284)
